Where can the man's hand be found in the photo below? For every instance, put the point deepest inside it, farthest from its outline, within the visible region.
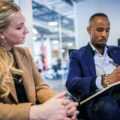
(115, 76)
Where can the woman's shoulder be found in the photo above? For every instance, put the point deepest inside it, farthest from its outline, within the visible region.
(20, 49)
(24, 51)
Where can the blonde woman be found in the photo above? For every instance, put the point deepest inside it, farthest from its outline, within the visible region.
(21, 86)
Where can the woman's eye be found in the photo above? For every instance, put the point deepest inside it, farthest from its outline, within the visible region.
(18, 28)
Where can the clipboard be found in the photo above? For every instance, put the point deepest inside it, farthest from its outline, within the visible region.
(99, 93)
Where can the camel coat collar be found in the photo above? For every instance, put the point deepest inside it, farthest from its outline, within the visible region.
(28, 85)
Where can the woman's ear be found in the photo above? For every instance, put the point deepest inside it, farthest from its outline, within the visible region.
(2, 38)
(2, 35)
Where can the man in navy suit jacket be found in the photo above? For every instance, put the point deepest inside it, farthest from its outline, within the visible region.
(92, 68)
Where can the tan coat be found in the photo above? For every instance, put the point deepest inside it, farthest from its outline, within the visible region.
(34, 86)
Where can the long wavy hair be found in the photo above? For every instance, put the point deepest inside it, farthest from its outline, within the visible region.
(6, 59)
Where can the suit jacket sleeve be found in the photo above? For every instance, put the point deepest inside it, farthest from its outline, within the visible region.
(79, 80)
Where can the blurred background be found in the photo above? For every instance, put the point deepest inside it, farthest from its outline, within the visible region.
(59, 26)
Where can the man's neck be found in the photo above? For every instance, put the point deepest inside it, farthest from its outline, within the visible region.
(101, 50)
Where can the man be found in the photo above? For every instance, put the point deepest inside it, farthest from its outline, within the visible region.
(92, 68)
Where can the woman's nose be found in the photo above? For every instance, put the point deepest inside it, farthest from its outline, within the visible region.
(26, 30)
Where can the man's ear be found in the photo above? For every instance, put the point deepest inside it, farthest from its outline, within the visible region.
(88, 29)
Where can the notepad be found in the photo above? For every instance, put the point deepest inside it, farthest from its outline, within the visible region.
(100, 92)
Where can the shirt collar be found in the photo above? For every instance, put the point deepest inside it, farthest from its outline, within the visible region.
(96, 51)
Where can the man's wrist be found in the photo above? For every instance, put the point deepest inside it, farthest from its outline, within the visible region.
(98, 82)
(105, 80)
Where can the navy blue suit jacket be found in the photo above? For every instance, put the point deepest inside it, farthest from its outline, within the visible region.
(82, 74)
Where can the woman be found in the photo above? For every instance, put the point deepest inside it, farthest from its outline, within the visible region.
(21, 86)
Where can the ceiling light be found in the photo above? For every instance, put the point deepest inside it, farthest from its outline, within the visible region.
(55, 42)
(52, 23)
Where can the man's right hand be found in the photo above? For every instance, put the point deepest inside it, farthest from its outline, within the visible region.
(115, 76)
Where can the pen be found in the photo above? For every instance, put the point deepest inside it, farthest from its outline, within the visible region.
(114, 63)
(71, 97)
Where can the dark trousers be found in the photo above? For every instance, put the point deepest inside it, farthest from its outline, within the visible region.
(106, 107)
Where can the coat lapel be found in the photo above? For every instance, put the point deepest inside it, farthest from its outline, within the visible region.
(113, 54)
(12, 88)
(28, 81)
(89, 56)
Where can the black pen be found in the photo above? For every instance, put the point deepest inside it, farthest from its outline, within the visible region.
(71, 97)
(114, 63)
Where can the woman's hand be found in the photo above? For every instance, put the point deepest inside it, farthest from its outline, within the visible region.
(57, 108)
(71, 107)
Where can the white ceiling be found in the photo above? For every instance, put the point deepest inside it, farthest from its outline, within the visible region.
(58, 5)
(61, 8)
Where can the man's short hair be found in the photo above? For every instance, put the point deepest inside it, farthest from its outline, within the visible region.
(97, 15)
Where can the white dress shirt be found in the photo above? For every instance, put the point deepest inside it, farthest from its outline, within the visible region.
(102, 65)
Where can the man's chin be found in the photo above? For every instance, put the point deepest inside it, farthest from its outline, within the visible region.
(101, 46)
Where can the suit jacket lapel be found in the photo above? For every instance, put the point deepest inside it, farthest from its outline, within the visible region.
(113, 54)
(24, 66)
(89, 56)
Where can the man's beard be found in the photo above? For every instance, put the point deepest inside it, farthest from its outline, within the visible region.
(100, 46)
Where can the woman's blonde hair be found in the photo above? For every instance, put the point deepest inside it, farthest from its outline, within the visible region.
(6, 59)
(6, 9)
